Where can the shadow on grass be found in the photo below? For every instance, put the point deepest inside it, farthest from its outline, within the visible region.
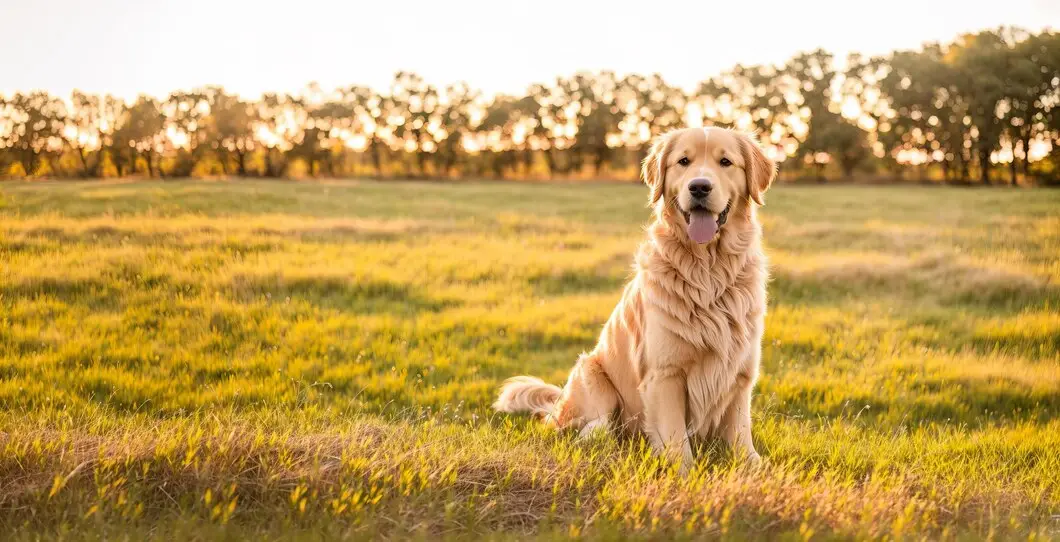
(95, 292)
(946, 286)
(576, 282)
(342, 293)
(955, 402)
(608, 275)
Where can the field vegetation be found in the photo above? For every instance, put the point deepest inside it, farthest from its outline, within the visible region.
(270, 359)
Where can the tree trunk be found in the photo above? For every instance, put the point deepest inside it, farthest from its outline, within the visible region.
(421, 162)
(528, 161)
(1012, 168)
(53, 166)
(97, 168)
(83, 155)
(119, 162)
(150, 164)
(28, 159)
(576, 161)
(222, 157)
(984, 165)
(448, 160)
(279, 166)
(193, 159)
(241, 157)
(268, 162)
(377, 159)
(599, 159)
(1026, 141)
(550, 162)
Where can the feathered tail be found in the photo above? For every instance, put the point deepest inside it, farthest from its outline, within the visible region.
(527, 394)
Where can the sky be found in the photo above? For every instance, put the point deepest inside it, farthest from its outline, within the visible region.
(127, 47)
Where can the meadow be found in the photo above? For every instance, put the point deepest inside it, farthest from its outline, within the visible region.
(313, 360)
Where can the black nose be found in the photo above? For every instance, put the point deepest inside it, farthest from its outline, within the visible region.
(700, 187)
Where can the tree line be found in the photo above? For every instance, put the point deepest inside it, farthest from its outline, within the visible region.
(982, 108)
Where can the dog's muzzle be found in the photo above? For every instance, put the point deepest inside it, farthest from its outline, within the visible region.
(703, 225)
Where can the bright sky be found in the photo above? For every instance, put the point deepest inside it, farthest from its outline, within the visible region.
(126, 47)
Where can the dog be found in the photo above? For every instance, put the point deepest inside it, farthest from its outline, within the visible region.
(680, 354)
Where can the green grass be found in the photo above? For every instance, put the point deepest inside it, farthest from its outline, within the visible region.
(194, 360)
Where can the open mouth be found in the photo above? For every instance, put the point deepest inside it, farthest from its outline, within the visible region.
(702, 224)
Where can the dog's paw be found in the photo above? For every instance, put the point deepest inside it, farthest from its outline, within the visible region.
(754, 462)
(595, 428)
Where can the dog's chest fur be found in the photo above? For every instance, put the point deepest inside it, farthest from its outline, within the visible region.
(710, 298)
(709, 304)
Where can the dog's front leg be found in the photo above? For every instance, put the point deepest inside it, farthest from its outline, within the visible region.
(736, 420)
(664, 395)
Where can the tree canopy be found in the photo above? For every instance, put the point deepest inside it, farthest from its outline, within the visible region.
(982, 108)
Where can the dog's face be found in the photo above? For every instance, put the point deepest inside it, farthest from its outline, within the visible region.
(698, 176)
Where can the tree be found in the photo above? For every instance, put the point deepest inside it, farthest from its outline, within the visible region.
(591, 108)
(847, 143)
(981, 65)
(233, 130)
(83, 131)
(503, 117)
(367, 114)
(89, 130)
(187, 117)
(550, 131)
(139, 134)
(322, 118)
(412, 104)
(754, 98)
(453, 122)
(926, 111)
(649, 107)
(965, 106)
(275, 128)
(862, 92)
(33, 129)
(813, 73)
(1031, 94)
(308, 143)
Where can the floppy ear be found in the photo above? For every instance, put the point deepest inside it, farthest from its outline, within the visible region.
(758, 168)
(653, 169)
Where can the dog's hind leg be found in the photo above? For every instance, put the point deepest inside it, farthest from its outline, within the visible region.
(589, 398)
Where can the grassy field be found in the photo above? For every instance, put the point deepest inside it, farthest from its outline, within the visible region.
(266, 360)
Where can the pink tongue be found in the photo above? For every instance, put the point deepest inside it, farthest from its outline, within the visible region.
(701, 226)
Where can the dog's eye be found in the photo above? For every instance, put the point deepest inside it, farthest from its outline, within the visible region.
(725, 162)
(684, 161)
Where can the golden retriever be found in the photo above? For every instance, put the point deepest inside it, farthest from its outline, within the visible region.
(680, 353)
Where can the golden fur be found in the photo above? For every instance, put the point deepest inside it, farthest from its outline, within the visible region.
(680, 353)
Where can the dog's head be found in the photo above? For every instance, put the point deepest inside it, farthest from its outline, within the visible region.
(698, 176)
